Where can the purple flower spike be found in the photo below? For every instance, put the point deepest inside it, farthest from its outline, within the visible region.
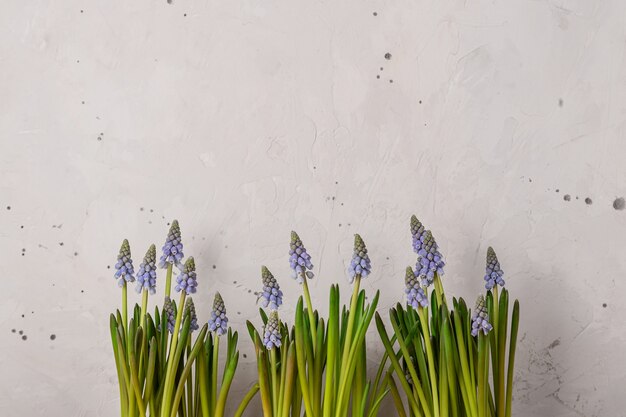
(218, 323)
(124, 271)
(360, 263)
(271, 295)
(430, 261)
(146, 276)
(417, 232)
(493, 273)
(190, 310)
(186, 280)
(169, 314)
(480, 318)
(299, 260)
(415, 295)
(271, 334)
(173, 247)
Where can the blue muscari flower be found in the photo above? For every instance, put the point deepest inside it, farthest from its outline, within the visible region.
(173, 247)
(271, 334)
(218, 322)
(415, 295)
(186, 280)
(146, 276)
(417, 232)
(190, 310)
(430, 261)
(299, 260)
(124, 271)
(271, 295)
(169, 314)
(360, 263)
(493, 273)
(480, 318)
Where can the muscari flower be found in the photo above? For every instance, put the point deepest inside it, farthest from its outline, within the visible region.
(415, 295)
(146, 276)
(190, 310)
(480, 318)
(429, 260)
(169, 314)
(173, 247)
(186, 280)
(299, 260)
(271, 334)
(271, 295)
(360, 263)
(493, 273)
(124, 266)
(417, 232)
(218, 322)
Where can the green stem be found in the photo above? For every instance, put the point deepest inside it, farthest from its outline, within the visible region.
(351, 316)
(431, 359)
(168, 280)
(309, 306)
(214, 368)
(171, 370)
(144, 307)
(125, 308)
(274, 382)
(246, 400)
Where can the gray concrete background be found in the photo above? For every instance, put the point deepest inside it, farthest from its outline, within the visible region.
(497, 122)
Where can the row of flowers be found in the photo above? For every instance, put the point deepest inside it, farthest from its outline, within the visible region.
(439, 352)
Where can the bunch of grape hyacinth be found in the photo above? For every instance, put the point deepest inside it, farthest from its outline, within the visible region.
(146, 276)
(190, 310)
(169, 314)
(430, 261)
(173, 247)
(218, 323)
(360, 263)
(124, 271)
(186, 280)
(271, 294)
(493, 273)
(271, 335)
(299, 260)
(415, 295)
(480, 318)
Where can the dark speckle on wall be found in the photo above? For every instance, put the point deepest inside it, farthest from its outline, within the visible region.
(24, 337)
(557, 190)
(53, 336)
(8, 207)
(619, 203)
(13, 330)
(588, 201)
(567, 197)
(560, 102)
(604, 305)
(387, 56)
(375, 14)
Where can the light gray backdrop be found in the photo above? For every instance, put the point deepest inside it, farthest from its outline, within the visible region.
(496, 122)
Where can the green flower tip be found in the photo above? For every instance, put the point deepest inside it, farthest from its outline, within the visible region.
(265, 273)
(410, 275)
(359, 245)
(174, 225)
(190, 264)
(415, 223)
(151, 253)
(491, 255)
(218, 302)
(294, 237)
(125, 248)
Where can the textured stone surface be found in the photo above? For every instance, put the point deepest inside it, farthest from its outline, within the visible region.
(492, 121)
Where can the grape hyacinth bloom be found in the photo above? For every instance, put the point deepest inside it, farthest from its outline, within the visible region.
(186, 281)
(190, 310)
(360, 263)
(415, 295)
(173, 247)
(169, 314)
(417, 232)
(299, 260)
(271, 334)
(430, 261)
(146, 276)
(271, 295)
(124, 271)
(493, 273)
(480, 318)
(218, 322)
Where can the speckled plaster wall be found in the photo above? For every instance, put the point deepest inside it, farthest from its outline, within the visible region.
(496, 122)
